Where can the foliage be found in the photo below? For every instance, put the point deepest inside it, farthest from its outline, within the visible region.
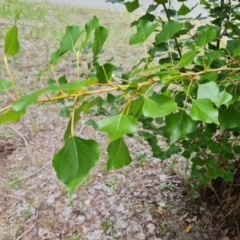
(184, 89)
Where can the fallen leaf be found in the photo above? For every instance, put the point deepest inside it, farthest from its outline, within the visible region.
(188, 229)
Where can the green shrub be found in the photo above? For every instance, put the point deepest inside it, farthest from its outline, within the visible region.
(184, 89)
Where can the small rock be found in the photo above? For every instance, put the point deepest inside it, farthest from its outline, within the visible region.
(163, 177)
(151, 228)
(140, 236)
(67, 211)
(174, 211)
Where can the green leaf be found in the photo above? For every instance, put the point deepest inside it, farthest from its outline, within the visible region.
(5, 85)
(17, 15)
(118, 154)
(104, 72)
(206, 36)
(70, 38)
(100, 37)
(203, 110)
(214, 147)
(187, 58)
(62, 79)
(228, 118)
(211, 56)
(208, 77)
(144, 30)
(169, 29)
(132, 6)
(11, 42)
(163, 75)
(26, 101)
(136, 107)
(11, 116)
(89, 104)
(67, 43)
(183, 10)
(90, 26)
(179, 124)
(233, 47)
(117, 126)
(228, 176)
(22, 103)
(208, 90)
(65, 112)
(73, 162)
(223, 98)
(158, 106)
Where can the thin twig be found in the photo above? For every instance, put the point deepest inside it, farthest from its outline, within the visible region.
(30, 229)
(82, 126)
(7, 195)
(229, 212)
(32, 174)
(25, 141)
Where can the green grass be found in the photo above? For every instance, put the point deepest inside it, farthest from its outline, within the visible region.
(47, 22)
(41, 26)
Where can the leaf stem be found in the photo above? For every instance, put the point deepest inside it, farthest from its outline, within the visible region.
(54, 74)
(187, 94)
(11, 78)
(56, 78)
(72, 116)
(78, 63)
(145, 53)
(5, 108)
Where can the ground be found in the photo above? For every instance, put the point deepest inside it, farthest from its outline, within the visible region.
(147, 200)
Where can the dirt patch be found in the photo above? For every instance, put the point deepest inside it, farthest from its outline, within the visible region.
(6, 148)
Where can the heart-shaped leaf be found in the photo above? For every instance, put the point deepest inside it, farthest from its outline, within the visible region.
(100, 37)
(11, 116)
(74, 160)
(179, 125)
(132, 6)
(206, 36)
(104, 72)
(228, 118)
(117, 126)
(169, 29)
(183, 10)
(203, 110)
(158, 106)
(187, 58)
(67, 43)
(208, 90)
(90, 26)
(118, 154)
(5, 85)
(144, 30)
(223, 98)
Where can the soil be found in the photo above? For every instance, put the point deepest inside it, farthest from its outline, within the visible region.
(146, 200)
(6, 148)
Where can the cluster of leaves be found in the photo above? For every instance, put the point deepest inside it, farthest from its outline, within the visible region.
(184, 89)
